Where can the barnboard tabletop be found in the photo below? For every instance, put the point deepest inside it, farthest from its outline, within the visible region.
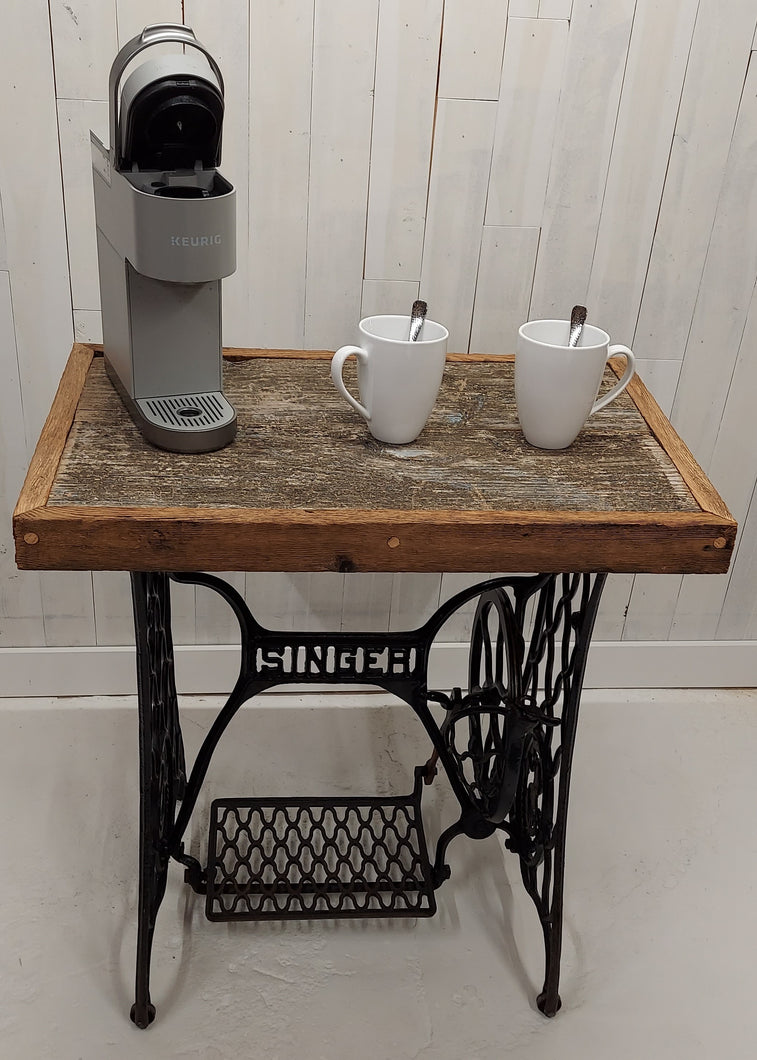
(304, 487)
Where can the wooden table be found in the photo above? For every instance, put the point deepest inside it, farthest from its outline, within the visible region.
(305, 488)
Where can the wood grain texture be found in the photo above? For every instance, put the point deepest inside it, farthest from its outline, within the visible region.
(711, 95)
(456, 205)
(471, 55)
(407, 60)
(588, 110)
(471, 455)
(503, 288)
(469, 495)
(343, 70)
(20, 612)
(71, 538)
(44, 464)
(692, 474)
(652, 84)
(532, 75)
(279, 167)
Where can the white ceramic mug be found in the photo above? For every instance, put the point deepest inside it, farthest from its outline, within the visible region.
(556, 385)
(398, 379)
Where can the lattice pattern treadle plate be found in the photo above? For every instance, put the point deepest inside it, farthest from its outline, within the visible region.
(294, 859)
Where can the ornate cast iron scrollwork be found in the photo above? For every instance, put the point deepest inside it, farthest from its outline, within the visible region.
(528, 674)
(162, 775)
(496, 742)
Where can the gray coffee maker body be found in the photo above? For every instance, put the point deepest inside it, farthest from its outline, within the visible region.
(165, 239)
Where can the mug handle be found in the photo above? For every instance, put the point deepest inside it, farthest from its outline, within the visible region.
(337, 364)
(624, 380)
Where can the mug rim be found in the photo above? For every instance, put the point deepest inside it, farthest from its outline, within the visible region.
(401, 342)
(522, 333)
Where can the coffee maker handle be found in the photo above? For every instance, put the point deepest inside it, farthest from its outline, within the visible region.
(159, 33)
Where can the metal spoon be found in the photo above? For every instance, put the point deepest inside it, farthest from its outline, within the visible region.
(577, 321)
(417, 316)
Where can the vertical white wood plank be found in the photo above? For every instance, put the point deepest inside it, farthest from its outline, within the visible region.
(367, 602)
(387, 296)
(183, 613)
(457, 199)
(114, 622)
(503, 290)
(651, 607)
(344, 56)
(298, 601)
(215, 622)
(655, 70)
(226, 38)
(555, 8)
(68, 609)
(415, 597)
(738, 617)
(85, 42)
(612, 607)
(3, 246)
(88, 325)
(471, 55)
(532, 74)
(279, 153)
(459, 625)
(403, 117)
(317, 601)
(661, 379)
(133, 15)
(733, 470)
(597, 47)
(709, 104)
(524, 8)
(725, 293)
(268, 596)
(75, 119)
(20, 602)
(33, 208)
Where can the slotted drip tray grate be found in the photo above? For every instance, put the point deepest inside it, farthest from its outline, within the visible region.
(301, 859)
(187, 412)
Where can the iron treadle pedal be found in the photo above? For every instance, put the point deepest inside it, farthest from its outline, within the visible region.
(306, 859)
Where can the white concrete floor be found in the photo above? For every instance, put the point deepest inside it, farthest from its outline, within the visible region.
(661, 910)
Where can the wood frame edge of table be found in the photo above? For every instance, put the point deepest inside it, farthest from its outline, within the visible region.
(52, 440)
(71, 538)
(702, 490)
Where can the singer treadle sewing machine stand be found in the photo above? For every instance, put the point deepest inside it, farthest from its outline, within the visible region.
(471, 496)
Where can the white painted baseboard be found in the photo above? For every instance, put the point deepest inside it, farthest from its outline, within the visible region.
(211, 669)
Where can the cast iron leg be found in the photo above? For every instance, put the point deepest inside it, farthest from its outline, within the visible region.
(161, 765)
(555, 666)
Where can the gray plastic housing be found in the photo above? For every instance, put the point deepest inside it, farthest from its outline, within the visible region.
(165, 240)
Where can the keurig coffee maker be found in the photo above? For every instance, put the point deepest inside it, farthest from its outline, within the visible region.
(165, 239)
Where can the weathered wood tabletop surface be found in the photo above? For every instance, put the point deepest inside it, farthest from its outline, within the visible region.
(305, 487)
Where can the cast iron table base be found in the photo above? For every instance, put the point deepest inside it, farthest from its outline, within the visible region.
(506, 746)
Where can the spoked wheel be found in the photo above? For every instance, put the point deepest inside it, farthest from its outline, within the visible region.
(485, 730)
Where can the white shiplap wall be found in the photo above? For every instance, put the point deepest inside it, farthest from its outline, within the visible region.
(502, 160)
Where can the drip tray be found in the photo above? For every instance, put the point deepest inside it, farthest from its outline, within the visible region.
(301, 859)
(187, 412)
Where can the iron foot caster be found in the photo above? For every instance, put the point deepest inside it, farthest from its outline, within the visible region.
(143, 1019)
(548, 1010)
